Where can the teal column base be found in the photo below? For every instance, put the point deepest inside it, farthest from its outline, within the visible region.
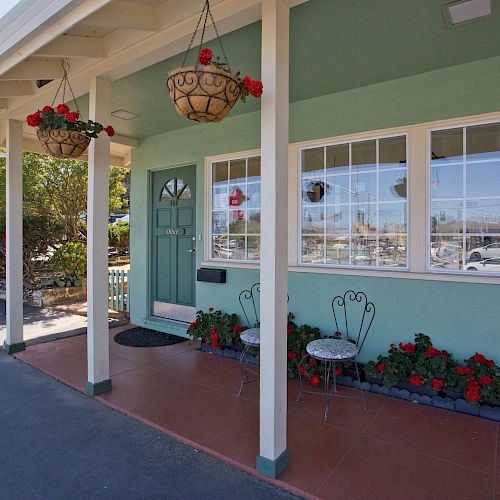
(13, 348)
(99, 388)
(273, 468)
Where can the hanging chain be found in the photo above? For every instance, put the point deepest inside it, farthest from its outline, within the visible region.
(205, 12)
(65, 83)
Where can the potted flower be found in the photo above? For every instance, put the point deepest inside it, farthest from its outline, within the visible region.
(208, 91)
(62, 133)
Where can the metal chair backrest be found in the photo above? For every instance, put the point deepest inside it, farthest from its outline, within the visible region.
(353, 315)
(250, 305)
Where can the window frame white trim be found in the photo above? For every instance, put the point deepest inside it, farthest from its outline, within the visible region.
(405, 133)
(457, 124)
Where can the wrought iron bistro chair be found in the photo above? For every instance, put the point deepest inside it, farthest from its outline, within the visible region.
(250, 305)
(331, 351)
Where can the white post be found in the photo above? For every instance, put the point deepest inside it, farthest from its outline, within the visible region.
(273, 456)
(97, 242)
(14, 241)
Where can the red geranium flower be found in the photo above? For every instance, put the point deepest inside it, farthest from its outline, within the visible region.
(47, 109)
(193, 325)
(255, 88)
(210, 309)
(313, 362)
(464, 370)
(490, 363)
(205, 57)
(315, 380)
(72, 116)
(62, 109)
(408, 348)
(437, 383)
(472, 395)
(213, 330)
(302, 370)
(34, 120)
(246, 81)
(485, 380)
(338, 371)
(479, 358)
(237, 329)
(415, 380)
(289, 329)
(431, 351)
(109, 130)
(292, 355)
(380, 367)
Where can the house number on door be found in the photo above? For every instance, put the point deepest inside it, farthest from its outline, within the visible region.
(176, 231)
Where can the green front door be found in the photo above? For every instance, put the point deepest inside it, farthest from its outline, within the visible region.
(174, 243)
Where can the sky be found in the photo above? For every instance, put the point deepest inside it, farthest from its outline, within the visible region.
(6, 5)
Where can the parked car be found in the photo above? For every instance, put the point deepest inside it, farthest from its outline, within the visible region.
(484, 266)
(488, 251)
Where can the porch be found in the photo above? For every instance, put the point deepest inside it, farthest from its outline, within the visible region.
(394, 449)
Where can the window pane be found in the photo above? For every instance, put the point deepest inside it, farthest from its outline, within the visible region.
(483, 142)
(446, 252)
(364, 155)
(337, 250)
(337, 189)
(237, 221)
(447, 146)
(313, 191)
(237, 247)
(447, 217)
(254, 169)
(253, 196)
(220, 247)
(482, 247)
(253, 248)
(447, 181)
(364, 187)
(219, 197)
(313, 220)
(337, 219)
(337, 159)
(219, 222)
(392, 185)
(363, 251)
(313, 162)
(219, 173)
(237, 171)
(483, 216)
(253, 221)
(392, 152)
(392, 218)
(483, 179)
(363, 218)
(313, 249)
(391, 250)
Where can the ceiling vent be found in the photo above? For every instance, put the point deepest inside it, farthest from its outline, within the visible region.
(465, 11)
(123, 114)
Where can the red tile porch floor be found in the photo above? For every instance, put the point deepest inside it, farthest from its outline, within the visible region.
(395, 449)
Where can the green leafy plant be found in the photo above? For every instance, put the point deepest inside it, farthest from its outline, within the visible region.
(70, 259)
(118, 235)
(216, 328)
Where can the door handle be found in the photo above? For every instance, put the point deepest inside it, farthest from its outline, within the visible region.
(191, 250)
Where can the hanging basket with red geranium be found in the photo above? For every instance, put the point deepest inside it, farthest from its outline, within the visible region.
(207, 91)
(60, 131)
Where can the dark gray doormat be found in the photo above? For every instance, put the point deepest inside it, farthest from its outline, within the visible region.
(143, 337)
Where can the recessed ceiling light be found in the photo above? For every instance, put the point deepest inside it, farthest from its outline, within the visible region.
(123, 114)
(464, 11)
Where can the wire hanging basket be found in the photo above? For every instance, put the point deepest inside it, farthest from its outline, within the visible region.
(204, 92)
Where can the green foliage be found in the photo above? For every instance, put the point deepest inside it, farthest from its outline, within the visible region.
(118, 236)
(216, 328)
(71, 259)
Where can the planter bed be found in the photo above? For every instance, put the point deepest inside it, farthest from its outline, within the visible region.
(229, 352)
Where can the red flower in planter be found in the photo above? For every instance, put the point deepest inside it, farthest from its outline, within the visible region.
(380, 367)
(315, 380)
(289, 329)
(72, 116)
(215, 339)
(313, 362)
(415, 380)
(437, 384)
(485, 380)
(237, 329)
(193, 325)
(479, 358)
(62, 109)
(255, 88)
(292, 355)
(109, 130)
(472, 395)
(213, 330)
(464, 370)
(205, 57)
(338, 371)
(407, 348)
(490, 363)
(47, 109)
(34, 120)
(246, 81)
(431, 352)
(302, 370)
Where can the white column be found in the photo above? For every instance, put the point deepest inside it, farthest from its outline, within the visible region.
(14, 241)
(273, 456)
(97, 242)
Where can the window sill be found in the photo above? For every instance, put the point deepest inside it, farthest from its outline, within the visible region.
(373, 273)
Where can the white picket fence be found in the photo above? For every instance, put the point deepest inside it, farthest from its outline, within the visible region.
(117, 290)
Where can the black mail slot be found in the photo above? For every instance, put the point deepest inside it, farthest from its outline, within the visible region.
(211, 275)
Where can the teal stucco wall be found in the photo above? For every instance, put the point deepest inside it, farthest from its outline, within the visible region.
(461, 317)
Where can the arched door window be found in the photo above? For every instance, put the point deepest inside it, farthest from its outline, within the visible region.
(175, 189)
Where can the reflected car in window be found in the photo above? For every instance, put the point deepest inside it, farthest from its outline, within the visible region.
(484, 266)
(487, 251)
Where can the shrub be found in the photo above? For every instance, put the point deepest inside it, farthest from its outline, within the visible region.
(71, 259)
(216, 328)
(118, 234)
